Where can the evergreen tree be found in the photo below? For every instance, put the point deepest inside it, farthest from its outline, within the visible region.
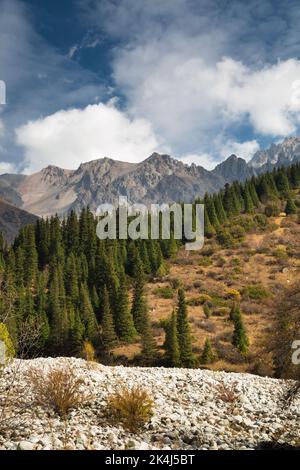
(171, 342)
(290, 207)
(139, 308)
(207, 356)
(248, 203)
(87, 314)
(234, 311)
(108, 334)
(239, 338)
(149, 348)
(124, 321)
(187, 357)
(218, 203)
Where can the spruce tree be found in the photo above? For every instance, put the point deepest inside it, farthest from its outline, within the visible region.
(290, 207)
(172, 343)
(248, 203)
(124, 321)
(87, 314)
(108, 333)
(149, 351)
(187, 357)
(139, 307)
(239, 338)
(207, 356)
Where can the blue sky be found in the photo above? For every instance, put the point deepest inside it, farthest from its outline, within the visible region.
(199, 79)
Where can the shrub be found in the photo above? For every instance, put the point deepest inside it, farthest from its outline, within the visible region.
(255, 292)
(58, 389)
(233, 294)
(272, 210)
(206, 310)
(133, 408)
(237, 232)
(208, 356)
(224, 238)
(205, 261)
(164, 292)
(227, 392)
(88, 352)
(261, 220)
(220, 262)
(280, 252)
(175, 283)
(8, 349)
(221, 312)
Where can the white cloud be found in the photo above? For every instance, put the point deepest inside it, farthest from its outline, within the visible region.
(189, 101)
(244, 150)
(205, 160)
(68, 138)
(6, 167)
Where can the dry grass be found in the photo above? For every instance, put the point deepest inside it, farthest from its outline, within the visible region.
(227, 393)
(58, 389)
(132, 407)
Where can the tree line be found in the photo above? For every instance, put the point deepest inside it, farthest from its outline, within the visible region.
(72, 287)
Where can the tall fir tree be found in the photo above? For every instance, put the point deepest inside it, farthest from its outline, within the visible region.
(171, 344)
(108, 334)
(187, 357)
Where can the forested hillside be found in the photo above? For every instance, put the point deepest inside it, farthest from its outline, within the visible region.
(73, 293)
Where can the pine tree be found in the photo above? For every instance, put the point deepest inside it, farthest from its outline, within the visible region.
(139, 308)
(248, 203)
(211, 211)
(71, 280)
(149, 351)
(124, 321)
(209, 230)
(207, 356)
(282, 182)
(171, 342)
(57, 314)
(108, 334)
(290, 207)
(87, 314)
(218, 203)
(187, 357)
(76, 335)
(31, 257)
(239, 338)
(234, 311)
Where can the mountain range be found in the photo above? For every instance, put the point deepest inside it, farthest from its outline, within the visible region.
(158, 179)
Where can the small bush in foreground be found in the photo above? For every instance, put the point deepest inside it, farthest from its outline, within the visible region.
(133, 408)
(164, 292)
(58, 389)
(227, 392)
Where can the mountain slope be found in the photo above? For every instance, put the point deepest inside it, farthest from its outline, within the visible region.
(284, 153)
(158, 179)
(12, 219)
(234, 169)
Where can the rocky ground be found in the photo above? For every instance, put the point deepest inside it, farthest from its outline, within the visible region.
(190, 411)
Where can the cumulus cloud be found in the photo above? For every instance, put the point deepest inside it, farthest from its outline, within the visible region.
(199, 71)
(6, 167)
(244, 150)
(205, 160)
(68, 138)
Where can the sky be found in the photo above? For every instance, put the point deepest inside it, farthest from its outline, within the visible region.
(197, 79)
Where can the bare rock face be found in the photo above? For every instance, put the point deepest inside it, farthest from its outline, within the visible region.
(158, 179)
(284, 153)
(12, 219)
(234, 169)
